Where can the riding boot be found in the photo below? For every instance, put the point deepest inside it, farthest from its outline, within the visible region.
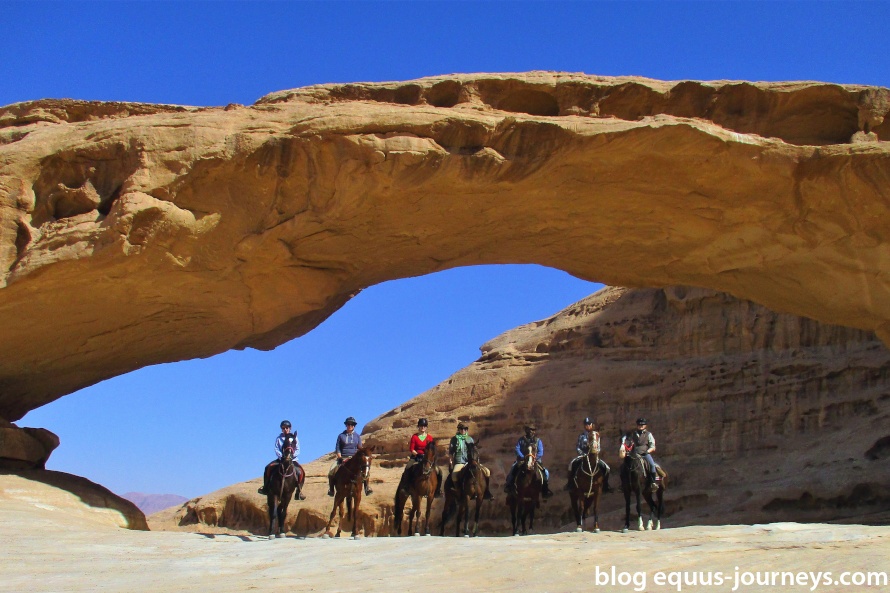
(488, 495)
(330, 486)
(438, 493)
(653, 485)
(570, 483)
(368, 491)
(265, 488)
(509, 488)
(546, 492)
(606, 488)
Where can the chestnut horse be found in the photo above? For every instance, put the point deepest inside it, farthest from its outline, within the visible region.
(588, 486)
(634, 480)
(348, 481)
(288, 477)
(467, 485)
(523, 502)
(418, 481)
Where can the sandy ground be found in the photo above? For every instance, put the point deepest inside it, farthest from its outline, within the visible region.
(60, 545)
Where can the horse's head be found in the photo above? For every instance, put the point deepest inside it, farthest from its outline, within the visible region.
(364, 456)
(529, 459)
(593, 442)
(288, 448)
(472, 454)
(429, 458)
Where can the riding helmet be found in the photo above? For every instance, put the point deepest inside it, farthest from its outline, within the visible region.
(285, 424)
(422, 422)
(350, 420)
(531, 427)
(641, 421)
(462, 426)
(588, 420)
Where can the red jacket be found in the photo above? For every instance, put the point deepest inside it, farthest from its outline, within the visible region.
(417, 446)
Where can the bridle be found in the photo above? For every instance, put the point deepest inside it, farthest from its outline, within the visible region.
(590, 464)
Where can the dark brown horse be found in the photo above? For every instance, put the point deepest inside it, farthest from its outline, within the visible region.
(418, 481)
(588, 485)
(523, 502)
(469, 485)
(348, 483)
(288, 477)
(634, 480)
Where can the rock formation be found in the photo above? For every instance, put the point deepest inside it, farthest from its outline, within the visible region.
(137, 234)
(758, 416)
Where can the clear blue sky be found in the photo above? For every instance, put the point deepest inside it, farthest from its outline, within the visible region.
(398, 339)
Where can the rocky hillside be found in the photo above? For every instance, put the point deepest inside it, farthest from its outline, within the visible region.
(758, 416)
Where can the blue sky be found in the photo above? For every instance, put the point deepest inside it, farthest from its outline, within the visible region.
(397, 339)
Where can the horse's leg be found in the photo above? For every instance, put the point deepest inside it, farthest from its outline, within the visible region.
(282, 514)
(398, 511)
(429, 509)
(414, 517)
(626, 488)
(466, 514)
(341, 502)
(576, 511)
(659, 508)
(514, 515)
(596, 514)
(446, 511)
(272, 505)
(357, 530)
(331, 518)
(478, 510)
(639, 508)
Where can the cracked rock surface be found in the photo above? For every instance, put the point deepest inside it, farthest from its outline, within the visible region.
(138, 234)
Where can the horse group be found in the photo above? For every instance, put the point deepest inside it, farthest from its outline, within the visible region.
(464, 490)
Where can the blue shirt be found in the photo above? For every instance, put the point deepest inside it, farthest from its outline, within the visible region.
(348, 444)
(522, 446)
(279, 444)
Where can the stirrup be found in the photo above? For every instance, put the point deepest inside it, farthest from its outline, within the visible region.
(330, 491)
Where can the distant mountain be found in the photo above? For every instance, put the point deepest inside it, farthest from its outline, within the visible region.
(152, 503)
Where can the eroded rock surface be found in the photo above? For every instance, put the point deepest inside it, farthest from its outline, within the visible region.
(758, 416)
(136, 234)
(25, 448)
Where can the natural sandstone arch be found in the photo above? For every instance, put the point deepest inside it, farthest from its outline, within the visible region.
(136, 234)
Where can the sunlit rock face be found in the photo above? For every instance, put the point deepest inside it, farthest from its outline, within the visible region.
(758, 416)
(138, 234)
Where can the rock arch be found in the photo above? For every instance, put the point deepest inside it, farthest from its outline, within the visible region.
(137, 234)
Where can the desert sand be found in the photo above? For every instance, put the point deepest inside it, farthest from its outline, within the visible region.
(54, 542)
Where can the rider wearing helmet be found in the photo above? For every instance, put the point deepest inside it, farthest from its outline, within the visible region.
(457, 457)
(348, 443)
(285, 438)
(529, 440)
(417, 448)
(642, 443)
(583, 448)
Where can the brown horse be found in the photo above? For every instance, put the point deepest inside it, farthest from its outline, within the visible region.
(469, 485)
(588, 485)
(523, 502)
(634, 480)
(348, 483)
(288, 477)
(418, 481)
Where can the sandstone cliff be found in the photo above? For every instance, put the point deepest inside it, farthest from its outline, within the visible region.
(758, 416)
(137, 234)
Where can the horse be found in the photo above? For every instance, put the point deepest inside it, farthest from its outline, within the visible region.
(418, 481)
(634, 480)
(588, 485)
(348, 483)
(469, 485)
(526, 498)
(288, 477)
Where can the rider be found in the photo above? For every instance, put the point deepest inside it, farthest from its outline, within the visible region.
(583, 448)
(457, 457)
(417, 447)
(348, 444)
(642, 443)
(292, 441)
(522, 445)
